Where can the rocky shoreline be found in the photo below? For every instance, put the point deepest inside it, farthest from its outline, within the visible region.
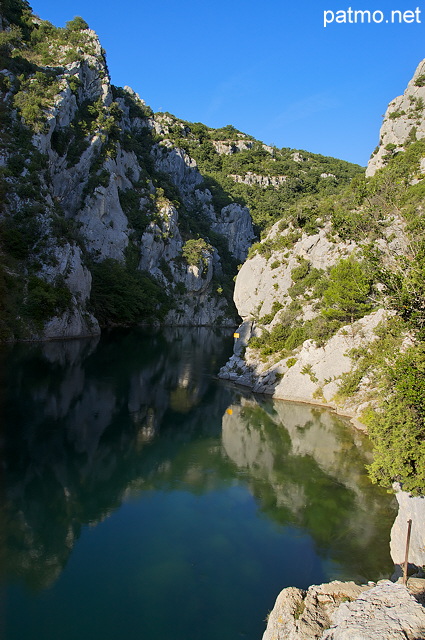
(346, 611)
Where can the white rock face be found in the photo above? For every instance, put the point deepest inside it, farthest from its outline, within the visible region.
(314, 375)
(228, 147)
(404, 117)
(259, 285)
(304, 615)
(235, 224)
(346, 611)
(263, 181)
(385, 612)
(104, 224)
(178, 165)
(77, 321)
(410, 508)
(161, 243)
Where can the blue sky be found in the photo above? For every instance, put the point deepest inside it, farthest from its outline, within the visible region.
(269, 67)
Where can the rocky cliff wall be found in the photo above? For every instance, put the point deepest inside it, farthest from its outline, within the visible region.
(404, 122)
(110, 180)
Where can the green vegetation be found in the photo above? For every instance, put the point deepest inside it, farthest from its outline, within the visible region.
(267, 204)
(397, 429)
(35, 95)
(45, 300)
(123, 295)
(194, 251)
(348, 292)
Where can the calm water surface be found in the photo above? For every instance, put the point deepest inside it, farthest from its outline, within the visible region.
(140, 498)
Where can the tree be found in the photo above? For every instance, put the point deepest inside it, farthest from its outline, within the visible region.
(349, 288)
(194, 251)
(77, 24)
(397, 429)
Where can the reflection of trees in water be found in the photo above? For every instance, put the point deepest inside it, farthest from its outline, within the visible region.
(308, 469)
(79, 422)
(87, 423)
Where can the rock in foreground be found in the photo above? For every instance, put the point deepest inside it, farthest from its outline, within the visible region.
(346, 611)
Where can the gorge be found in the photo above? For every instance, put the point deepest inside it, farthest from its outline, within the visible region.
(114, 216)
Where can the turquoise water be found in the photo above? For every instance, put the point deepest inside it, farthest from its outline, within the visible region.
(142, 498)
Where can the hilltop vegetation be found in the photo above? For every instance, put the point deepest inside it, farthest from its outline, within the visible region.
(88, 171)
(275, 178)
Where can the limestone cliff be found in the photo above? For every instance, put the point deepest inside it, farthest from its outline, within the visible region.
(404, 122)
(91, 184)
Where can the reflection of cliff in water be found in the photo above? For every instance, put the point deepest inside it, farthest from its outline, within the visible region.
(88, 423)
(307, 468)
(79, 420)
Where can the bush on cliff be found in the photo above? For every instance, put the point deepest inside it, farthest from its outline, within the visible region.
(121, 295)
(397, 429)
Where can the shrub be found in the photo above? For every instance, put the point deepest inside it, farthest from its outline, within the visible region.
(125, 296)
(77, 24)
(193, 251)
(45, 300)
(300, 272)
(348, 291)
(420, 81)
(397, 430)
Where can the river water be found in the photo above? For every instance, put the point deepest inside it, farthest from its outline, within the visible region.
(142, 498)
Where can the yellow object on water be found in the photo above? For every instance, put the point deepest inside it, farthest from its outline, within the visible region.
(236, 335)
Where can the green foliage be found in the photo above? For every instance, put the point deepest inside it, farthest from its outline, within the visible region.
(35, 96)
(405, 286)
(45, 300)
(137, 217)
(396, 114)
(121, 295)
(77, 24)
(266, 319)
(194, 251)
(10, 40)
(420, 81)
(300, 272)
(397, 429)
(347, 295)
(305, 278)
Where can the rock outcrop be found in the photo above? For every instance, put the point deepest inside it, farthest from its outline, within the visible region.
(410, 508)
(386, 611)
(346, 611)
(263, 181)
(305, 615)
(404, 122)
(312, 374)
(265, 279)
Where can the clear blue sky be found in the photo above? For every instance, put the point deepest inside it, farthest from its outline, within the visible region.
(268, 67)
